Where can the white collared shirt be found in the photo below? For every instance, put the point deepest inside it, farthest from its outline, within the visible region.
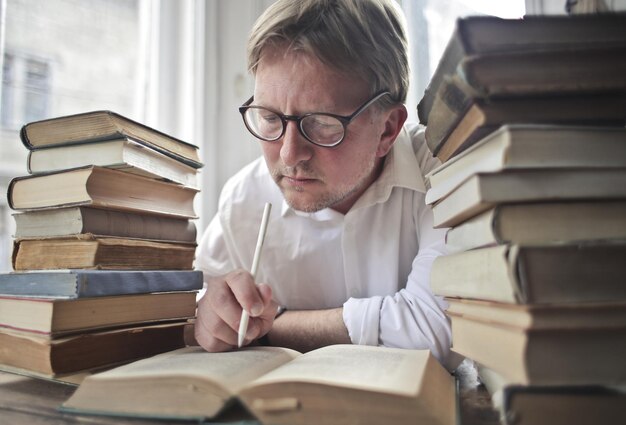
(374, 261)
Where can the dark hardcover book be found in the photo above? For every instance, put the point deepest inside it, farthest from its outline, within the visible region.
(482, 36)
(566, 404)
(97, 283)
(76, 221)
(457, 122)
(51, 357)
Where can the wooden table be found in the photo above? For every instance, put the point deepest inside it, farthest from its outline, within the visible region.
(30, 401)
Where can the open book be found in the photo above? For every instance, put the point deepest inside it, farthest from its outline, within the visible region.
(336, 384)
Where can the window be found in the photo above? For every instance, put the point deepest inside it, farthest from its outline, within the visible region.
(430, 24)
(25, 90)
(62, 57)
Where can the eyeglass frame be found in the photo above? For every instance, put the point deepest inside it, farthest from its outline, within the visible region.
(345, 120)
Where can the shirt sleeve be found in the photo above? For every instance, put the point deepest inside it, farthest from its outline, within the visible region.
(412, 317)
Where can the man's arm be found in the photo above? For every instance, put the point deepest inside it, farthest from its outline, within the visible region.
(306, 330)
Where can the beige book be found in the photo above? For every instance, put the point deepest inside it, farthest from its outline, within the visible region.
(569, 273)
(338, 384)
(101, 188)
(65, 316)
(121, 154)
(483, 191)
(542, 316)
(583, 356)
(531, 146)
(540, 223)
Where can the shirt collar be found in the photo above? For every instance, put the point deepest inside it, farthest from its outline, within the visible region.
(401, 169)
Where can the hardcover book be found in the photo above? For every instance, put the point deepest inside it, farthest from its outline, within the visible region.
(88, 251)
(331, 385)
(79, 283)
(57, 317)
(102, 188)
(96, 126)
(532, 146)
(507, 43)
(483, 191)
(540, 223)
(75, 221)
(70, 354)
(569, 273)
(122, 154)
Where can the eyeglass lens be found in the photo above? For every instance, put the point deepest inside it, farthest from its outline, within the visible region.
(319, 128)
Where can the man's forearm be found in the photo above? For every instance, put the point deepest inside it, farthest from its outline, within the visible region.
(307, 330)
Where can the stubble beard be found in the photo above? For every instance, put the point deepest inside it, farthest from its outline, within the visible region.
(326, 199)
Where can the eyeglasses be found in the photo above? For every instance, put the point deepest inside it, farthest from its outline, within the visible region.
(319, 128)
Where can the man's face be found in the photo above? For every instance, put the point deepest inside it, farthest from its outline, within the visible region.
(310, 177)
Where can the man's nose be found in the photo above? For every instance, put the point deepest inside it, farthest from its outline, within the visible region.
(295, 148)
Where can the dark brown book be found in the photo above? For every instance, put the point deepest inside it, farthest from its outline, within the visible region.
(455, 125)
(566, 404)
(88, 251)
(500, 40)
(74, 353)
(97, 126)
(74, 221)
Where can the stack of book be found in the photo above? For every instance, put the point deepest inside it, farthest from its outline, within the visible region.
(528, 119)
(104, 246)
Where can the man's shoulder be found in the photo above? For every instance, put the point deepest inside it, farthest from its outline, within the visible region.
(415, 138)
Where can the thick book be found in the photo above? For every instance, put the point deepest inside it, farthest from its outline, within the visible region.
(457, 123)
(573, 316)
(96, 126)
(330, 385)
(531, 146)
(555, 356)
(75, 221)
(88, 251)
(122, 154)
(101, 188)
(569, 273)
(97, 283)
(554, 404)
(483, 191)
(491, 36)
(540, 224)
(70, 354)
(65, 316)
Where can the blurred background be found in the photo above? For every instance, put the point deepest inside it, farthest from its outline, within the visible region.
(176, 65)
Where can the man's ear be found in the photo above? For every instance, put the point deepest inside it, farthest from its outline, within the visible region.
(395, 118)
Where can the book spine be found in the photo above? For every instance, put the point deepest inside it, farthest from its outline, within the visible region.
(24, 137)
(103, 283)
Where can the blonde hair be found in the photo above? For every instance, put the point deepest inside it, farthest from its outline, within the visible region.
(364, 38)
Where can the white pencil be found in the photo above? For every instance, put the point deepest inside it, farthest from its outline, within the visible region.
(243, 324)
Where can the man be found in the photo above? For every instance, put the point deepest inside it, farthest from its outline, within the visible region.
(350, 242)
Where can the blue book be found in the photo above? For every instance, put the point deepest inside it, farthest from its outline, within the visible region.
(97, 283)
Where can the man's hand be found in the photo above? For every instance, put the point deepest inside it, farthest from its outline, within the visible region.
(219, 311)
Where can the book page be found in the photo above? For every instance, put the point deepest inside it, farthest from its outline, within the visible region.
(229, 370)
(381, 369)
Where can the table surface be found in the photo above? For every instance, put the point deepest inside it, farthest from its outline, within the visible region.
(31, 401)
